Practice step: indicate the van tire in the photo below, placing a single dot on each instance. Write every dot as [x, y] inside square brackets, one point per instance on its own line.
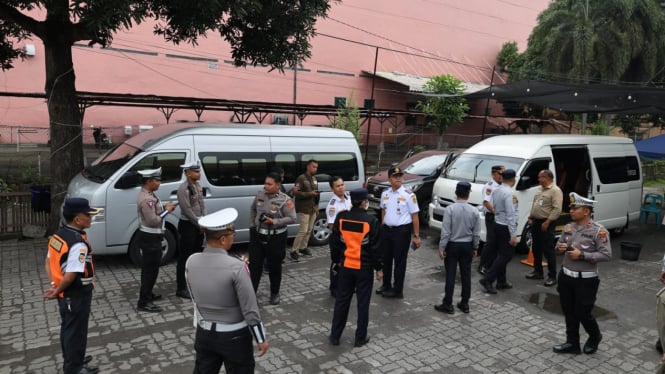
[617, 232]
[524, 244]
[168, 251]
[320, 231]
[423, 214]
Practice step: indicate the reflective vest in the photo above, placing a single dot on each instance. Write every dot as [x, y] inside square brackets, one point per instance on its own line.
[58, 248]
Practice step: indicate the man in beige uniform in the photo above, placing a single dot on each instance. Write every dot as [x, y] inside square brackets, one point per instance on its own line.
[192, 207]
[306, 196]
[150, 234]
[225, 307]
[545, 210]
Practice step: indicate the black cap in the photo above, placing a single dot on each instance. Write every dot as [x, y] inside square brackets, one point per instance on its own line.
[496, 168]
[76, 205]
[359, 194]
[462, 188]
[395, 170]
[508, 174]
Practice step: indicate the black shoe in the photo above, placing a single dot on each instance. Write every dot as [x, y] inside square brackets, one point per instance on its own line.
[381, 290]
[534, 275]
[360, 343]
[149, 307]
[86, 370]
[591, 345]
[393, 294]
[306, 252]
[487, 286]
[445, 308]
[274, 299]
[87, 359]
[659, 346]
[183, 293]
[567, 348]
[550, 282]
[463, 307]
[294, 256]
[333, 341]
[504, 286]
[482, 270]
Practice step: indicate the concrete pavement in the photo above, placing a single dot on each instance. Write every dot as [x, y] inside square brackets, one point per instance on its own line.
[512, 332]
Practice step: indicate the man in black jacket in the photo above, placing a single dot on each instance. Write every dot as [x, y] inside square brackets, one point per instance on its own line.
[354, 246]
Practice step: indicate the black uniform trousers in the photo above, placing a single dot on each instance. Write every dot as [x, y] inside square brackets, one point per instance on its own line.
[458, 253]
[334, 279]
[274, 250]
[488, 253]
[74, 313]
[577, 297]
[395, 243]
[543, 244]
[350, 281]
[191, 241]
[232, 349]
[151, 247]
[504, 253]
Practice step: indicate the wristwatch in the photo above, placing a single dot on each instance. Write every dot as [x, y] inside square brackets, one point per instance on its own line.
[416, 235]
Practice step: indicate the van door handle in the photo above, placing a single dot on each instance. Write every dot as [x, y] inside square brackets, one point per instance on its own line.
[174, 192]
[597, 188]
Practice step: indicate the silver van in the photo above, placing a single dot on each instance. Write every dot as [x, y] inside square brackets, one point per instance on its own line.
[235, 159]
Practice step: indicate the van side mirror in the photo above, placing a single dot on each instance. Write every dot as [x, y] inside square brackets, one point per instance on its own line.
[128, 180]
[323, 177]
[524, 183]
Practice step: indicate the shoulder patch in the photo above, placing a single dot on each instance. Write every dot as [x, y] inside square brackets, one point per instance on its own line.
[332, 201]
[331, 211]
[414, 199]
[408, 191]
[488, 191]
[289, 204]
[55, 243]
[515, 200]
[82, 253]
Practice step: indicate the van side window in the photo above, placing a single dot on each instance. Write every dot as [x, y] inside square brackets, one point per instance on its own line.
[529, 177]
[617, 169]
[343, 164]
[234, 169]
[169, 162]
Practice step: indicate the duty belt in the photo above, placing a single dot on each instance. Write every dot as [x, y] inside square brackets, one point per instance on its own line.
[579, 274]
[222, 327]
[263, 231]
[151, 230]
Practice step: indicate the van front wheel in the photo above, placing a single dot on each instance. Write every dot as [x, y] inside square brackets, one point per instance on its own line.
[168, 249]
[320, 232]
[525, 241]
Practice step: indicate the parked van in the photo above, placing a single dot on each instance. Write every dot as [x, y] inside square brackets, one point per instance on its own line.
[235, 159]
[604, 168]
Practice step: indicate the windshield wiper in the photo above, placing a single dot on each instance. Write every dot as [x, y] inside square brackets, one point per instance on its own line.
[475, 171]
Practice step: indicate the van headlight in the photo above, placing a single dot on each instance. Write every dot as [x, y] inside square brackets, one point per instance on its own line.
[99, 217]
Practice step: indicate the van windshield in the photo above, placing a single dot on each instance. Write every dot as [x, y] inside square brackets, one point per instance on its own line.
[424, 166]
[106, 165]
[478, 168]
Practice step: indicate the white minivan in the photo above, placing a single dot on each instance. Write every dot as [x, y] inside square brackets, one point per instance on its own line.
[235, 159]
[604, 168]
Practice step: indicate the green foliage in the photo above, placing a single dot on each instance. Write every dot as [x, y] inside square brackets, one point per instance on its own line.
[348, 118]
[628, 123]
[600, 128]
[444, 111]
[419, 148]
[508, 57]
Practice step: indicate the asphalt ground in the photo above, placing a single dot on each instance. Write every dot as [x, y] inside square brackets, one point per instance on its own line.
[512, 332]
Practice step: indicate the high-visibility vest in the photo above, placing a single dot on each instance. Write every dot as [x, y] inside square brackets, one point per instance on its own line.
[58, 248]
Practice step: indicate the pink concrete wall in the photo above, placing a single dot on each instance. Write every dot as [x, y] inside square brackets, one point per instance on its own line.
[467, 31]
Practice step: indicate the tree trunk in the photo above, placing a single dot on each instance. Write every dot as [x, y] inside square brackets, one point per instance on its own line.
[64, 120]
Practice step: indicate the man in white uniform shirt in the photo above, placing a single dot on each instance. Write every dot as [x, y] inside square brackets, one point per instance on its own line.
[338, 203]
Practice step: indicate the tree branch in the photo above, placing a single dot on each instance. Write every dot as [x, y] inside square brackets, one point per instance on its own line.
[11, 14]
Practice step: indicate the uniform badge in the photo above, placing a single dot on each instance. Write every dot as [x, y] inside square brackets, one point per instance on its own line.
[290, 204]
[150, 204]
[332, 201]
[515, 201]
[386, 197]
[414, 199]
[82, 256]
[55, 243]
[602, 234]
[488, 191]
[331, 211]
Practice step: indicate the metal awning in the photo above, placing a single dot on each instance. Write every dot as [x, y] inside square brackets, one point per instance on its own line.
[416, 83]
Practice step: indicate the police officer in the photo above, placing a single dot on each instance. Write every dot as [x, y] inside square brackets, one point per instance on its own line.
[488, 253]
[354, 245]
[71, 271]
[306, 194]
[460, 235]
[399, 213]
[225, 308]
[150, 234]
[270, 214]
[505, 233]
[585, 244]
[340, 202]
[545, 210]
[192, 207]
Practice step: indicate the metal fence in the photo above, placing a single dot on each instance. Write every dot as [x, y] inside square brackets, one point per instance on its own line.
[16, 211]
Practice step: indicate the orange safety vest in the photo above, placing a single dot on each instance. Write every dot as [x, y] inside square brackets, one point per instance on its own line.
[353, 233]
[58, 248]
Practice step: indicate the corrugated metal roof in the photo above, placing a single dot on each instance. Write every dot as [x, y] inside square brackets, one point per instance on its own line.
[416, 83]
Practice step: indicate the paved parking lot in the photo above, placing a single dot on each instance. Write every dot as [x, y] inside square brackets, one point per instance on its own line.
[512, 332]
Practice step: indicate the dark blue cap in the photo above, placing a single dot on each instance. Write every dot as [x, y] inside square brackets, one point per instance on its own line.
[76, 205]
[359, 194]
[508, 174]
[462, 188]
[395, 170]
